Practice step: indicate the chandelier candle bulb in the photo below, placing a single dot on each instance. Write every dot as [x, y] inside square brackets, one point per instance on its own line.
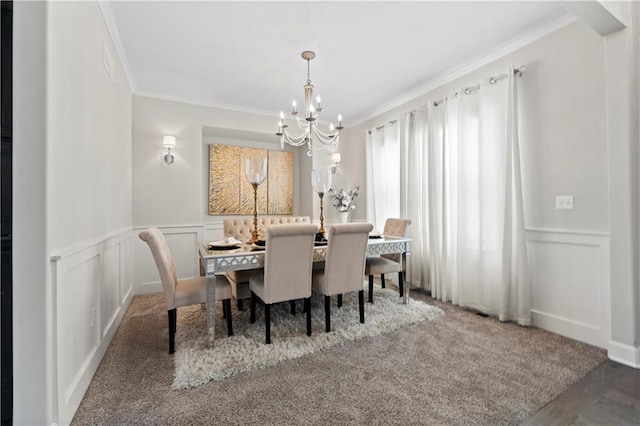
[294, 104]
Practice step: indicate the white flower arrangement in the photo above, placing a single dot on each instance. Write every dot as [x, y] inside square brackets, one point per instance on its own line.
[343, 200]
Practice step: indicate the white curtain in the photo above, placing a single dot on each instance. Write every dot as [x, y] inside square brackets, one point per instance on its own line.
[415, 190]
[383, 174]
[465, 194]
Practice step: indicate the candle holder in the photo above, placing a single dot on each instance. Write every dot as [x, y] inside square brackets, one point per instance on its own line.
[321, 181]
[255, 170]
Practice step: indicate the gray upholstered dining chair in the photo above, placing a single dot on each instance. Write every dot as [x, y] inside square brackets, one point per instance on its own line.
[182, 292]
[388, 263]
[344, 266]
[288, 262]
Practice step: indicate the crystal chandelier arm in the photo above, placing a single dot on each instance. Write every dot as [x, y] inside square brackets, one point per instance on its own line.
[293, 140]
[326, 138]
[303, 124]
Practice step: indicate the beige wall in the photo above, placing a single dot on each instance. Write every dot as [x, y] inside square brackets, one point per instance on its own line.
[89, 129]
[563, 136]
[176, 195]
[563, 130]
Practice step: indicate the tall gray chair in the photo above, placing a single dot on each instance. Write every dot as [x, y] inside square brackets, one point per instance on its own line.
[287, 271]
[388, 263]
[344, 266]
[182, 292]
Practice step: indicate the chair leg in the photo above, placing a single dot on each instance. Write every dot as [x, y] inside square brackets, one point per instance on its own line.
[227, 304]
[361, 305]
[370, 288]
[401, 283]
[224, 310]
[307, 308]
[293, 306]
[382, 279]
[172, 314]
[253, 308]
[327, 314]
[240, 305]
[339, 301]
[267, 323]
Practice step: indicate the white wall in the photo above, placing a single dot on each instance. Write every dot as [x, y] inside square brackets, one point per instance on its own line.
[175, 197]
[564, 152]
[74, 283]
[32, 375]
[622, 60]
[89, 129]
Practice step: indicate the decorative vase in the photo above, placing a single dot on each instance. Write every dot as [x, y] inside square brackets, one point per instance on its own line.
[344, 217]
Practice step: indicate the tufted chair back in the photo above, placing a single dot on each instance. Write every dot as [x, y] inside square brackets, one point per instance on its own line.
[240, 228]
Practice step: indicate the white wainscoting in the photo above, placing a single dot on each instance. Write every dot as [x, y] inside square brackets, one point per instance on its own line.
[92, 287]
[182, 241]
[570, 284]
[214, 231]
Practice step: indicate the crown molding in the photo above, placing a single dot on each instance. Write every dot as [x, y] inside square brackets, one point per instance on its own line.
[204, 103]
[450, 76]
[226, 107]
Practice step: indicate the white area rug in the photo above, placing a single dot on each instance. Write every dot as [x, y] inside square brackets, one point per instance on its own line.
[196, 363]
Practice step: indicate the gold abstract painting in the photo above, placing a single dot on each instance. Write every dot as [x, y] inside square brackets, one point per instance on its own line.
[231, 194]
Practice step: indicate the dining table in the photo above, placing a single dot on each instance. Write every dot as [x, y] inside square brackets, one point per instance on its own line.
[216, 260]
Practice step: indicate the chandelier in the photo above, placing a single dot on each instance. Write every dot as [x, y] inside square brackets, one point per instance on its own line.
[309, 133]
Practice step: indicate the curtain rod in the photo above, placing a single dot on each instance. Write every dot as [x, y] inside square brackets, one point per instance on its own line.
[391, 123]
[492, 80]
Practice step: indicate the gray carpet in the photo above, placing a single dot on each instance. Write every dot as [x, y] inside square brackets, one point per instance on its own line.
[458, 369]
[198, 363]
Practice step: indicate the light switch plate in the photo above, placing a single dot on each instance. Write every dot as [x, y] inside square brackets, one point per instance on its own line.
[564, 202]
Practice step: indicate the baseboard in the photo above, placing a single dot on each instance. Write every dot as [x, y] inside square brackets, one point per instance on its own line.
[147, 288]
[86, 375]
[624, 354]
[568, 328]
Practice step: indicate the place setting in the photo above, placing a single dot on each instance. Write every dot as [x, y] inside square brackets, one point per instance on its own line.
[230, 243]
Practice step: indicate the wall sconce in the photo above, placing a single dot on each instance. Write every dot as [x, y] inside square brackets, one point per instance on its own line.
[169, 142]
[335, 159]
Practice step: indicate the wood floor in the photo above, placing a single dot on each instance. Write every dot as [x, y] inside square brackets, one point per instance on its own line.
[609, 395]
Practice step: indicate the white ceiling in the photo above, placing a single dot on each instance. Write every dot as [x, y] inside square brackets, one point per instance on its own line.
[246, 55]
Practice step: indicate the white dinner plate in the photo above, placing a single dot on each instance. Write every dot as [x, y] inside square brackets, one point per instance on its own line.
[225, 244]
